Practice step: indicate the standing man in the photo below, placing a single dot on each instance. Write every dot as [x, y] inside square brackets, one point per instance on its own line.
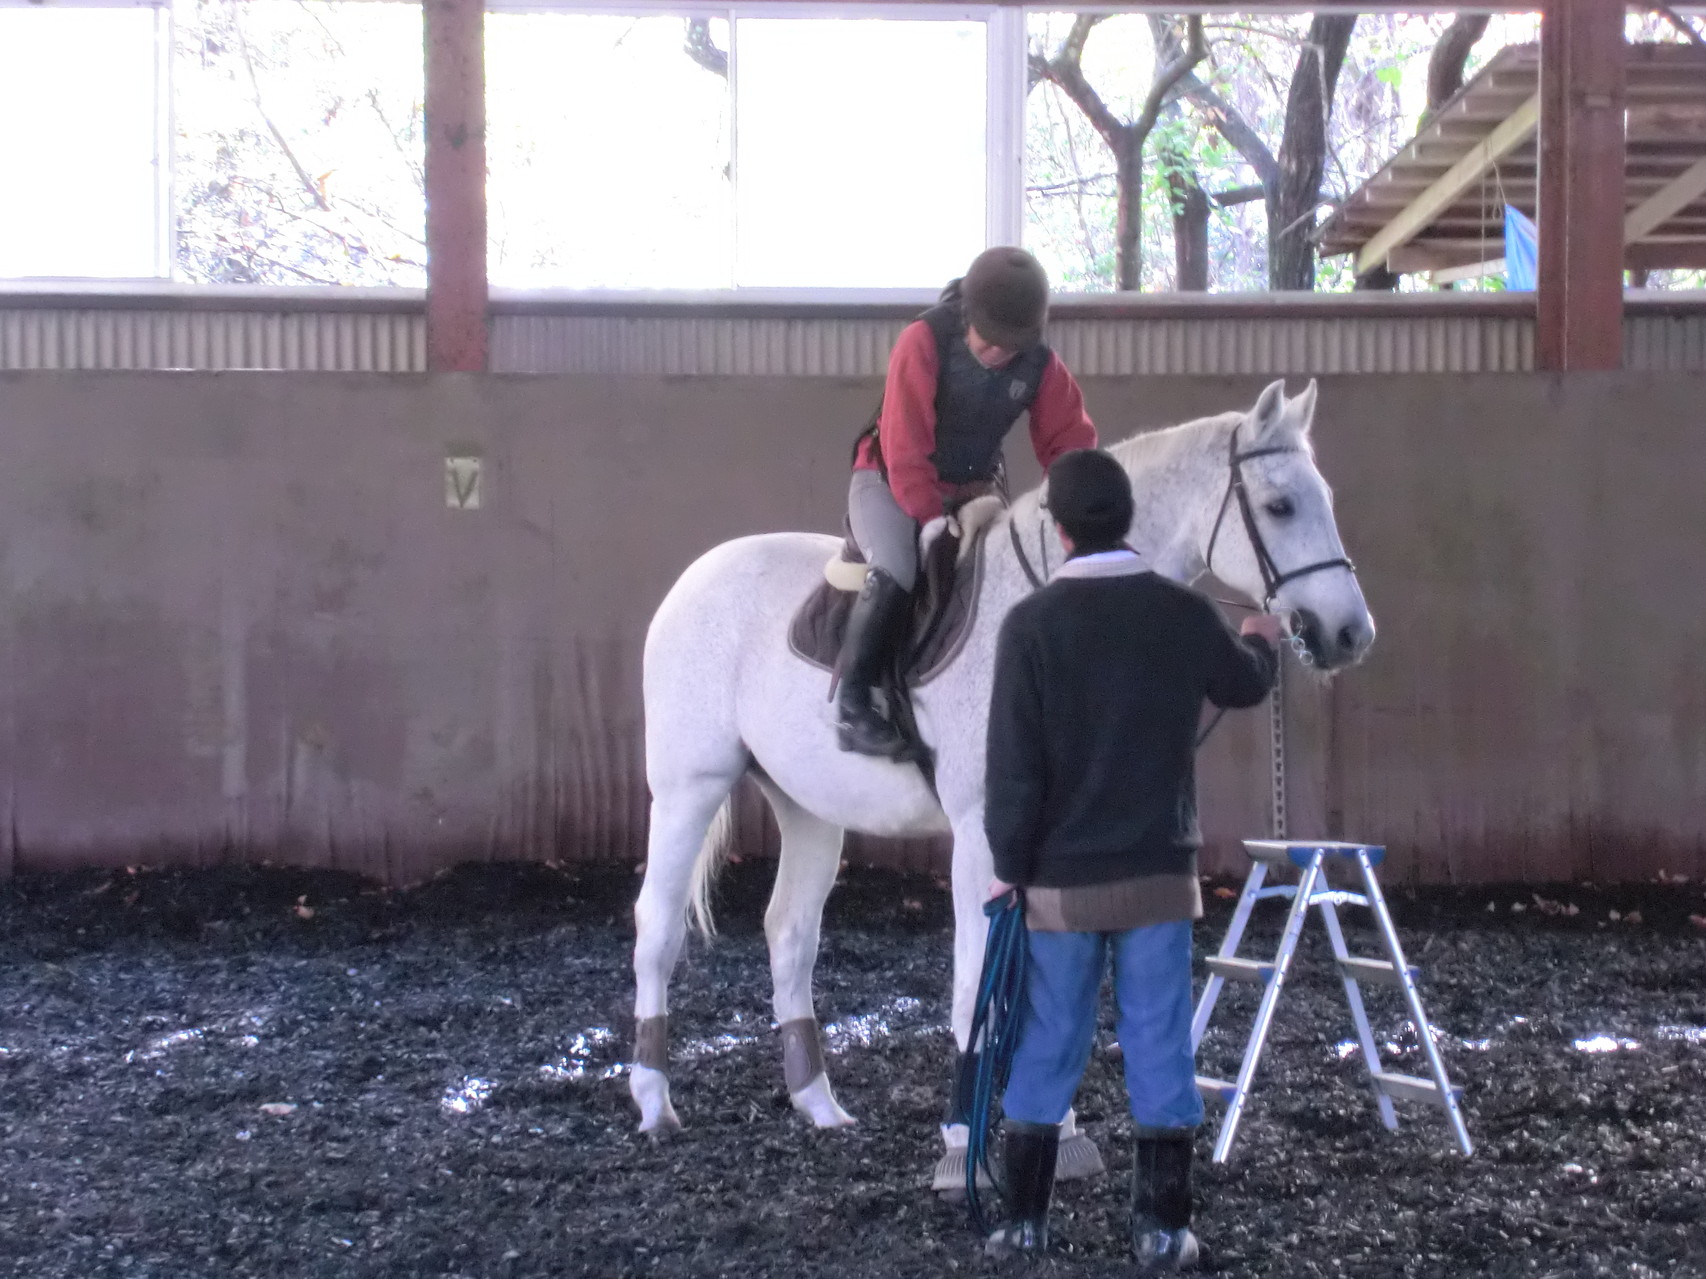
[1100, 679]
[958, 379]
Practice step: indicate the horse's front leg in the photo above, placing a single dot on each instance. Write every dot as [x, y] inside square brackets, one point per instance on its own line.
[973, 872]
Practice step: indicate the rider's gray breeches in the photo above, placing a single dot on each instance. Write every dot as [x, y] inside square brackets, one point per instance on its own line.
[886, 534]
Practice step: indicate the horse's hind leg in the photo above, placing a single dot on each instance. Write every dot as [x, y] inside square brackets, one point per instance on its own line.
[811, 855]
[682, 812]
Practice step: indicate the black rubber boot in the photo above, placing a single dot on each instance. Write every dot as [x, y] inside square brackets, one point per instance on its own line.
[1029, 1174]
[871, 630]
[1161, 1202]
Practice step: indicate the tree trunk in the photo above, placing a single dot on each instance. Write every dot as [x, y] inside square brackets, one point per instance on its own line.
[1128, 224]
[1190, 214]
[1446, 63]
[1302, 156]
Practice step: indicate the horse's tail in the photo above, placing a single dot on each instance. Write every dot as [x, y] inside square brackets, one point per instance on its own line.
[713, 855]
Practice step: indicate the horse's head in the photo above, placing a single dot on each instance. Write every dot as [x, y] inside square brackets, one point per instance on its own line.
[1277, 502]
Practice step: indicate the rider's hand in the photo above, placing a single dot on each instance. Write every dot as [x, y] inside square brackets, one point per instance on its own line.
[998, 888]
[1264, 624]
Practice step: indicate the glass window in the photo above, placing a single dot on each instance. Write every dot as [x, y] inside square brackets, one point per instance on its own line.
[81, 89]
[860, 152]
[608, 148]
[299, 142]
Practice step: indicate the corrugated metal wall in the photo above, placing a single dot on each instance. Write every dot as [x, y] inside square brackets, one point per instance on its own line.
[340, 341]
[1238, 340]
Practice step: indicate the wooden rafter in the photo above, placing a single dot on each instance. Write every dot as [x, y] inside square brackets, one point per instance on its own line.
[1665, 203]
[1445, 190]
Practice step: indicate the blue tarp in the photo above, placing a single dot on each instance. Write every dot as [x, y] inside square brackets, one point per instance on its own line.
[1521, 241]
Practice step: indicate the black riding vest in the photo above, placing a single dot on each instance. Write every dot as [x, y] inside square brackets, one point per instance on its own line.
[975, 406]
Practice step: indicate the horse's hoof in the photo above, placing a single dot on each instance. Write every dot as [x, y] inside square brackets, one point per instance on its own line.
[650, 1090]
[1078, 1158]
[949, 1179]
[816, 1101]
[663, 1126]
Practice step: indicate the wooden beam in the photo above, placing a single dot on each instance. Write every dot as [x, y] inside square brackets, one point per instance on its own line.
[456, 335]
[1579, 323]
[1510, 134]
[1665, 203]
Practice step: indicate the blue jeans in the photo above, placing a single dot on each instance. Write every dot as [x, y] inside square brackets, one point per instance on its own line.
[1152, 988]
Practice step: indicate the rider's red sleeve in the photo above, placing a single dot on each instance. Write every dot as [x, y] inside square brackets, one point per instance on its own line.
[908, 425]
[1059, 423]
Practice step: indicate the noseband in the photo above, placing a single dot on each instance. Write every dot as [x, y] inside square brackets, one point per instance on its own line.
[1272, 579]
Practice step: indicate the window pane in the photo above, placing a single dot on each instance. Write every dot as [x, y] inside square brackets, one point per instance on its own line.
[79, 89]
[860, 151]
[299, 142]
[608, 151]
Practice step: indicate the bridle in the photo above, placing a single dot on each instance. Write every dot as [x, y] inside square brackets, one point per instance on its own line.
[1272, 579]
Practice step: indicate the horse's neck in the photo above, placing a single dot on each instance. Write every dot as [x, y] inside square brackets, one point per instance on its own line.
[1178, 477]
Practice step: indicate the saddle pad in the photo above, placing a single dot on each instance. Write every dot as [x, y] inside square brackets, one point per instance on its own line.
[943, 608]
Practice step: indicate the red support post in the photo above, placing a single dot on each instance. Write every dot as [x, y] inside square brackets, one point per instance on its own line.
[1582, 100]
[456, 185]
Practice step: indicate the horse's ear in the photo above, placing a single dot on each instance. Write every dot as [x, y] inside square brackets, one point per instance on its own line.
[1270, 408]
[1304, 406]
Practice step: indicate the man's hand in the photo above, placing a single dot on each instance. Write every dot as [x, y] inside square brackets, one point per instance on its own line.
[1264, 624]
[998, 888]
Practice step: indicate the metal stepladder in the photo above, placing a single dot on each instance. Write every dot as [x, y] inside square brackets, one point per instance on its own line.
[1314, 890]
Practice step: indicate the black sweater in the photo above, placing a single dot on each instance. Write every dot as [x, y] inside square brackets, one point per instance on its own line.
[1099, 686]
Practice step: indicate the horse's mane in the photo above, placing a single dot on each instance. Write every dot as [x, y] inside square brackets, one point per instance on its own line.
[1156, 446]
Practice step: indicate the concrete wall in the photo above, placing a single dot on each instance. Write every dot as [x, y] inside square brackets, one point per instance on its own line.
[240, 618]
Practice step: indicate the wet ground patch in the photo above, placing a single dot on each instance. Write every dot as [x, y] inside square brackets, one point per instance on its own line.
[276, 1072]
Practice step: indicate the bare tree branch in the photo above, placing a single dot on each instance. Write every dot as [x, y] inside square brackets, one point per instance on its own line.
[1066, 69]
[1240, 195]
[1450, 55]
[308, 183]
[1681, 23]
[1231, 125]
[1167, 77]
[702, 49]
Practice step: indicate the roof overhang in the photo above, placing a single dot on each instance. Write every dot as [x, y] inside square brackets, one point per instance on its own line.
[1438, 205]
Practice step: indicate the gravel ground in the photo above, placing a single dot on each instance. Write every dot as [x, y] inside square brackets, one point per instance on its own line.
[269, 1072]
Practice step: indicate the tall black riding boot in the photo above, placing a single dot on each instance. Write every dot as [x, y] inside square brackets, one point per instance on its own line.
[1029, 1170]
[871, 631]
[1161, 1201]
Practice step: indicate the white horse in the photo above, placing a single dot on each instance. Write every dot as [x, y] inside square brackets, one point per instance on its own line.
[726, 698]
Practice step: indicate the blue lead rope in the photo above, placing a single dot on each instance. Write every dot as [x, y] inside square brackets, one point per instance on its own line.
[995, 1025]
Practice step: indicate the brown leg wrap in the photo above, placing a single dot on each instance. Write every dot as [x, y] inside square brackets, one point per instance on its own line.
[651, 1042]
[802, 1052]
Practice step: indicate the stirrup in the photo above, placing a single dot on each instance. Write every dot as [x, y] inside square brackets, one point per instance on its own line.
[886, 742]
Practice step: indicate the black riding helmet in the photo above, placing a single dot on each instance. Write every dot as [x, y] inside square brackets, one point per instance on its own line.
[1005, 295]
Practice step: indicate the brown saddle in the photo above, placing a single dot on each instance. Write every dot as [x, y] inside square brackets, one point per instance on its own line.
[944, 604]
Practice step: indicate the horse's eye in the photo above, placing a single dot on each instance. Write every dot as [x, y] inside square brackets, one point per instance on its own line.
[1281, 508]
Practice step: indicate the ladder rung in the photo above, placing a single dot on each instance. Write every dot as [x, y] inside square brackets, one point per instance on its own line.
[1239, 969]
[1301, 852]
[1409, 1088]
[1374, 970]
[1215, 1089]
[1288, 891]
[1338, 897]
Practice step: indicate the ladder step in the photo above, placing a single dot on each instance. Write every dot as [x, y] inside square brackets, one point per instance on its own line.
[1408, 1088]
[1239, 969]
[1215, 1089]
[1374, 970]
[1337, 897]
